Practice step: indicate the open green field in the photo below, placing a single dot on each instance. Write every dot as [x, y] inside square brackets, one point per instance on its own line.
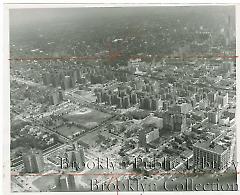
[89, 96]
[90, 138]
[87, 118]
[68, 131]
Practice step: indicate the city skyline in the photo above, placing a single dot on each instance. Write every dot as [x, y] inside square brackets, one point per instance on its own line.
[103, 97]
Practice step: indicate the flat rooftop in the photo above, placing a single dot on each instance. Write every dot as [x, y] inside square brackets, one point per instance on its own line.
[219, 145]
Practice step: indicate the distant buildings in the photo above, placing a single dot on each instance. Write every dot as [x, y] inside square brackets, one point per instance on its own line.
[179, 123]
[150, 131]
[142, 138]
[146, 103]
[147, 135]
[126, 96]
[227, 67]
[174, 121]
[182, 108]
[152, 135]
[67, 82]
[126, 102]
[56, 97]
[212, 96]
[213, 116]
[230, 32]
[46, 79]
[168, 121]
[222, 99]
[149, 103]
[153, 121]
[133, 98]
[216, 99]
[121, 98]
[198, 115]
[52, 78]
[136, 65]
[33, 161]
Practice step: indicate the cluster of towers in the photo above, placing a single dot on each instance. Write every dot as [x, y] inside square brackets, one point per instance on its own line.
[126, 96]
[123, 98]
[149, 102]
[65, 80]
[174, 119]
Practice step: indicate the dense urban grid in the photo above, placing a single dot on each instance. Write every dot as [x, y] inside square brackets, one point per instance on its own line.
[123, 96]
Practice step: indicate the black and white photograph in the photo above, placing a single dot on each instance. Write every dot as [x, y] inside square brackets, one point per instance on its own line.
[123, 99]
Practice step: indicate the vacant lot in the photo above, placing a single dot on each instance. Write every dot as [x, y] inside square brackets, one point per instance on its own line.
[87, 118]
[87, 95]
[68, 131]
[45, 182]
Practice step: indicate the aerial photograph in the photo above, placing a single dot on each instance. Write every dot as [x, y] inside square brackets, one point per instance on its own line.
[112, 99]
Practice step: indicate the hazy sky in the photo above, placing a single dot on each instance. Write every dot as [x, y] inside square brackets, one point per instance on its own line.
[30, 16]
